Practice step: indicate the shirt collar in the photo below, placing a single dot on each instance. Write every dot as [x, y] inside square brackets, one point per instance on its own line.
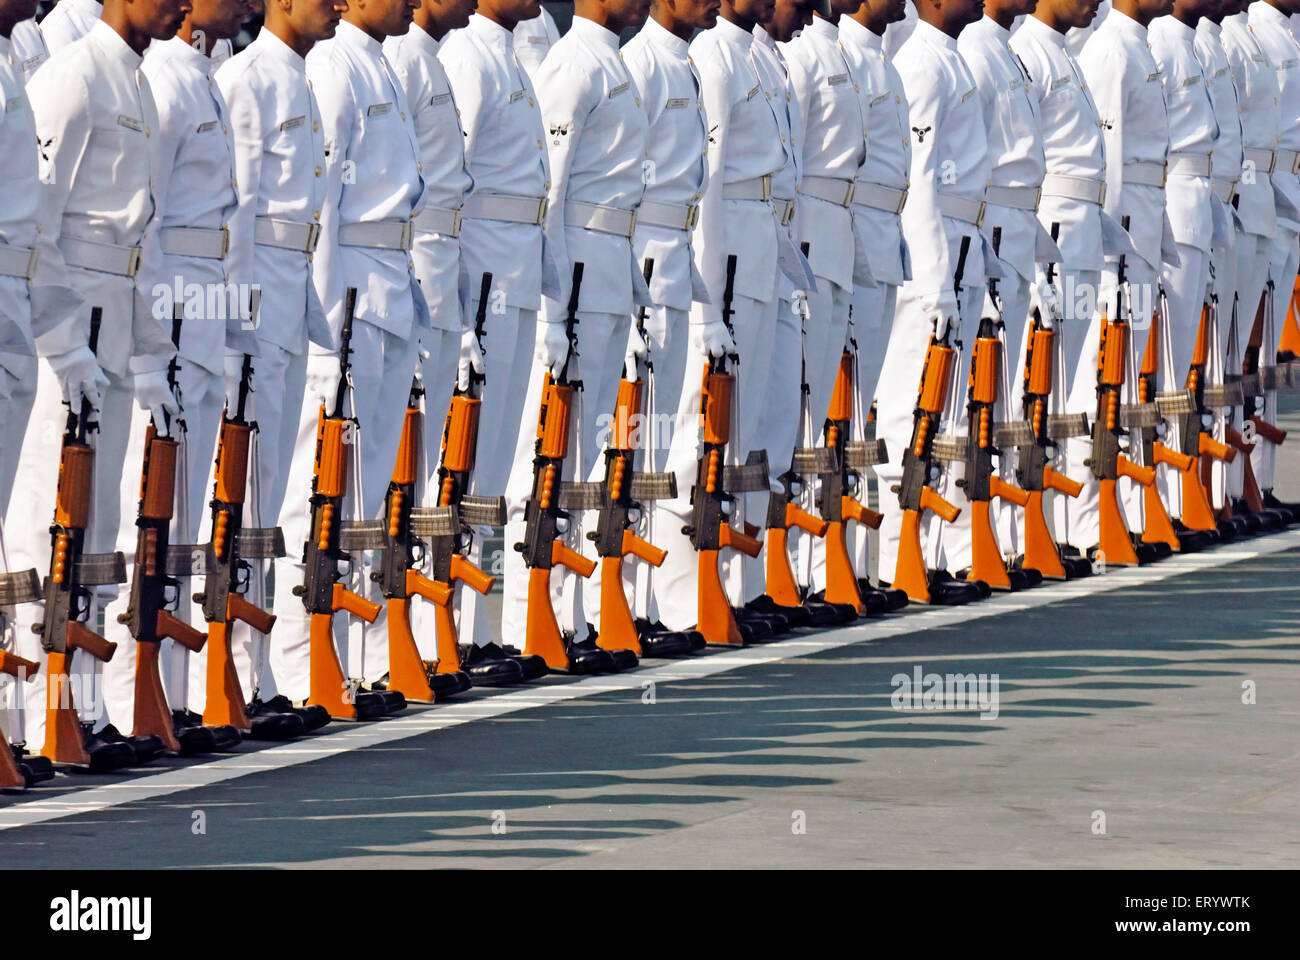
[1210, 27]
[6, 47]
[1176, 28]
[178, 49]
[421, 38]
[1045, 32]
[860, 34]
[763, 37]
[821, 27]
[271, 45]
[353, 36]
[730, 33]
[594, 33]
[661, 36]
[1270, 12]
[1126, 24]
[991, 26]
[929, 31]
[112, 43]
[492, 31]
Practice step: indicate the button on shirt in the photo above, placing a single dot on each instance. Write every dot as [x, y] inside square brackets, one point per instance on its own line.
[506, 152]
[949, 152]
[1272, 29]
[1125, 83]
[1192, 128]
[374, 173]
[597, 137]
[1072, 138]
[661, 69]
[1256, 85]
[97, 128]
[279, 146]
[195, 188]
[414, 58]
[29, 50]
[744, 144]
[1014, 143]
[881, 249]
[833, 134]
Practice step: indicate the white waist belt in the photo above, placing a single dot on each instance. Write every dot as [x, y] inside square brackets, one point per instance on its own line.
[1148, 173]
[675, 216]
[879, 197]
[510, 209]
[18, 261]
[100, 257]
[1287, 160]
[1262, 159]
[203, 242]
[440, 220]
[286, 234]
[378, 235]
[785, 210]
[600, 217]
[1225, 190]
[959, 208]
[1018, 198]
[755, 188]
[1189, 164]
[1074, 188]
[831, 189]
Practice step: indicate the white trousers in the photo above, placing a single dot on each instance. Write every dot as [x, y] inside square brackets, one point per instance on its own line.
[382, 368]
[1185, 289]
[1253, 253]
[1284, 258]
[14, 414]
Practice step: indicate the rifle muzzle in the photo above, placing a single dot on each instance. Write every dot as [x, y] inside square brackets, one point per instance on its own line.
[168, 626]
[18, 667]
[358, 606]
[643, 549]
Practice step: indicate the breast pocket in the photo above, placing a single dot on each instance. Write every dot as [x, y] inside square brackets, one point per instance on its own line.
[1016, 114]
[116, 150]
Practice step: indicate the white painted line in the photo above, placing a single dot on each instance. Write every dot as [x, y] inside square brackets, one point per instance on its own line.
[346, 738]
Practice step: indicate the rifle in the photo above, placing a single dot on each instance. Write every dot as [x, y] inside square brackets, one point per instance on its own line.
[450, 563]
[321, 591]
[716, 482]
[915, 494]
[154, 592]
[1204, 398]
[21, 586]
[1107, 463]
[1260, 381]
[227, 568]
[546, 519]
[66, 589]
[1034, 472]
[1288, 344]
[623, 489]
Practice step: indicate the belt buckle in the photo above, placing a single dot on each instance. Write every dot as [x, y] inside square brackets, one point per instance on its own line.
[850, 192]
[33, 258]
[1038, 197]
[1164, 175]
[692, 216]
[1272, 160]
[132, 261]
[543, 206]
[765, 182]
[1295, 162]
[455, 222]
[405, 240]
[902, 200]
[979, 217]
[631, 222]
[313, 235]
[225, 241]
[1101, 194]
[788, 213]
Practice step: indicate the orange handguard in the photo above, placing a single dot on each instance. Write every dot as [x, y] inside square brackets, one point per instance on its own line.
[934, 378]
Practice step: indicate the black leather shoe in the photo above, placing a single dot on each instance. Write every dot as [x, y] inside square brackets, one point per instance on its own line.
[1151, 552]
[313, 716]
[34, 768]
[268, 723]
[694, 640]
[795, 616]
[1076, 567]
[586, 658]
[106, 755]
[777, 623]
[145, 749]
[1250, 522]
[948, 592]
[447, 685]
[532, 665]
[894, 599]
[195, 741]
[754, 631]
[1194, 541]
[1292, 510]
[490, 666]
[1230, 529]
[1022, 579]
[657, 641]
[1269, 519]
[844, 612]
[224, 738]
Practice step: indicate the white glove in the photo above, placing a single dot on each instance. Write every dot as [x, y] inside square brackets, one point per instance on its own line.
[552, 344]
[1048, 301]
[471, 359]
[945, 313]
[234, 373]
[713, 338]
[153, 393]
[79, 377]
[638, 348]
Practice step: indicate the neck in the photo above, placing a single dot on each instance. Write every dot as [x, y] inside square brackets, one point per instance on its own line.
[833, 18]
[284, 30]
[354, 17]
[936, 18]
[426, 21]
[873, 20]
[745, 23]
[6, 28]
[1130, 9]
[1186, 18]
[596, 13]
[500, 19]
[1003, 17]
[115, 16]
[662, 14]
[1051, 18]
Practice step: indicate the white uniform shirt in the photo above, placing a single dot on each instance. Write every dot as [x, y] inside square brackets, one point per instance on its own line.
[896, 33]
[414, 57]
[506, 152]
[1272, 30]
[196, 188]
[1192, 128]
[29, 50]
[881, 249]
[661, 68]
[98, 130]
[833, 135]
[949, 150]
[1015, 145]
[69, 20]
[1227, 156]
[1126, 85]
[597, 139]
[533, 41]
[279, 165]
[770, 61]
[1257, 95]
[19, 212]
[744, 145]
[374, 175]
[1072, 139]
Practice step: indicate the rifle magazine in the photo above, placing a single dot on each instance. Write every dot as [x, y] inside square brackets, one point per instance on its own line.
[1223, 395]
[580, 495]
[814, 460]
[861, 454]
[363, 535]
[21, 586]
[1013, 433]
[948, 446]
[1139, 415]
[260, 543]
[482, 511]
[654, 486]
[1062, 425]
[188, 559]
[1174, 403]
[434, 521]
[748, 478]
[94, 569]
